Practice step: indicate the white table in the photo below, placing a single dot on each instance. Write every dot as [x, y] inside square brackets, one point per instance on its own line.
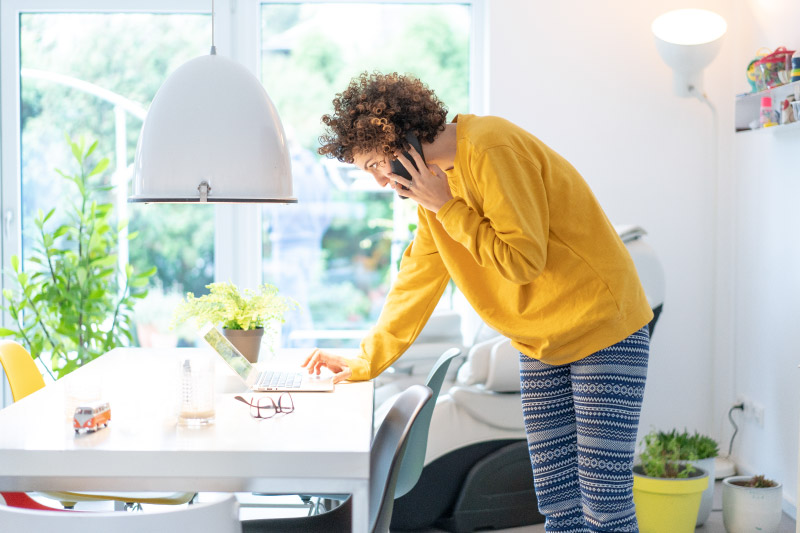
[323, 447]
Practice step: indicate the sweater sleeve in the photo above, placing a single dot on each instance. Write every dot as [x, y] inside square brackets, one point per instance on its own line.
[511, 234]
[420, 283]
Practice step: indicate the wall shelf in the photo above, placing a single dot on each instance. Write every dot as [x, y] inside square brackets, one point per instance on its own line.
[748, 107]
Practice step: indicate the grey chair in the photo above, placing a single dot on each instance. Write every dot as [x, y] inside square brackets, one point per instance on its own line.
[414, 458]
[388, 448]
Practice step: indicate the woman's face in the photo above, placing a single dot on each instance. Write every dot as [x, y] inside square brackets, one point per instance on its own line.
[376, 164]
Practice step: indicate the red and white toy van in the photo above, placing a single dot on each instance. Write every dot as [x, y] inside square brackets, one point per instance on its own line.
[91, 416]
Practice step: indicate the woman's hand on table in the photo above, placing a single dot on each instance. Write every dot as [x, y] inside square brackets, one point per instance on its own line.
[335, 363]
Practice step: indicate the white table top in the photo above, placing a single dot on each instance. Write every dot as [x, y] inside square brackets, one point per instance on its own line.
[322, 447]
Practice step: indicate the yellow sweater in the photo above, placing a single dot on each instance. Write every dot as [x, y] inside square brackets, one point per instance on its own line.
[528, 245]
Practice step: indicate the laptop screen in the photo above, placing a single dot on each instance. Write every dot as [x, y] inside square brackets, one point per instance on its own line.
[228, 351]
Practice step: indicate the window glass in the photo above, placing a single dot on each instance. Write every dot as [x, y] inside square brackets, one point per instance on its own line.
[93, 75]
[335, 250]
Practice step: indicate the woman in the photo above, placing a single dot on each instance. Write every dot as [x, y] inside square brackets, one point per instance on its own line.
[523, 237]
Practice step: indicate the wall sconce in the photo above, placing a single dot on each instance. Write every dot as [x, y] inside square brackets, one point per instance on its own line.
[688, 40]
[212, 134]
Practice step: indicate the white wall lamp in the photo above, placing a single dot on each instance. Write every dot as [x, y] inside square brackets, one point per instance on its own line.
[688, 40]
[212, 134]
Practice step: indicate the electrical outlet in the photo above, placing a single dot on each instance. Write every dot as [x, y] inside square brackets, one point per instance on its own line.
[758, 414]
[752, 410]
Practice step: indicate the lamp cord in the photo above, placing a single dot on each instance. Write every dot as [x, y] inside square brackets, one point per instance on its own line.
[717, 290]
[213, 47]
[739, 406]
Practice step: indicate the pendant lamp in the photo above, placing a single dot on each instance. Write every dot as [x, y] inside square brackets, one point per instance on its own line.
[212, 134]
[688, 40]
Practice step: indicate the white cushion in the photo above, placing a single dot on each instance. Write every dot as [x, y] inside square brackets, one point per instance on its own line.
[499, 410]
[503, 373]
[476, 368]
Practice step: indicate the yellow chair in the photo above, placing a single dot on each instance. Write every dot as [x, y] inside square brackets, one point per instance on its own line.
[24, 378]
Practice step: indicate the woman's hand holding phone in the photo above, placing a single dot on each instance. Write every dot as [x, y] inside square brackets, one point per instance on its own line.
[428, 185]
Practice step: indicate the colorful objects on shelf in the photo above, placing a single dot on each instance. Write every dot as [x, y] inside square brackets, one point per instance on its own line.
[751, 68]
[796, 68]
[774, 69]
[767, 115]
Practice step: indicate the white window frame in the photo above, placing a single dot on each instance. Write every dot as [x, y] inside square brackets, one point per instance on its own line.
[237, 236]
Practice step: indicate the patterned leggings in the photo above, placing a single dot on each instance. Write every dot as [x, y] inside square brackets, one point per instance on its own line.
[581, 420]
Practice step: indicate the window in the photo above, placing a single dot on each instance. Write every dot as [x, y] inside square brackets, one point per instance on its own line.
[335, 250]
[94, 75]
[91, 68]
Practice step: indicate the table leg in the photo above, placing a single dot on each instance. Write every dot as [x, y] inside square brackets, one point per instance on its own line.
[361, 507]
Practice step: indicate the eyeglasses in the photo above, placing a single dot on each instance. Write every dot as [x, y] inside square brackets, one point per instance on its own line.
[265, 406]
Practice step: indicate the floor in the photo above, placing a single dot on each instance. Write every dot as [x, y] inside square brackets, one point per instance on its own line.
[713, 525]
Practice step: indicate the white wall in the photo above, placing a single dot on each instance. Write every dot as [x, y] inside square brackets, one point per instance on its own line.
[585, 77]
[767, 245]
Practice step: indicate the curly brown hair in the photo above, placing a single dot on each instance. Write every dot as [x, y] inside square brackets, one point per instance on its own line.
[375, 113]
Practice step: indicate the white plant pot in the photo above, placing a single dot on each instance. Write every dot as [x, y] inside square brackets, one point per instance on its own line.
[747, 510]
[708, 494]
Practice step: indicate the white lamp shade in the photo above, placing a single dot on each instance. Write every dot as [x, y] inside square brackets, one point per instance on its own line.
[688, 40]
[212, 121]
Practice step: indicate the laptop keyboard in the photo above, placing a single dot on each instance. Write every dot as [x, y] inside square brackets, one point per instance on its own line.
[288, 380]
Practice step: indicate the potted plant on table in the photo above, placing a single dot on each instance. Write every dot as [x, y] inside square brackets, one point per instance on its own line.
[247, 317]
[666, 490]
[751, 503]
[698, 450]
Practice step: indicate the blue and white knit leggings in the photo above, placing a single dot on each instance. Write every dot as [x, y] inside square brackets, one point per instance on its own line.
[581, 420]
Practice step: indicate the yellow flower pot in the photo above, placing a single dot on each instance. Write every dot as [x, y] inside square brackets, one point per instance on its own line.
[668, 505]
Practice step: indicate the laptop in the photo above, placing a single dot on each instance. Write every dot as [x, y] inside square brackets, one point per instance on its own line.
[263, 379]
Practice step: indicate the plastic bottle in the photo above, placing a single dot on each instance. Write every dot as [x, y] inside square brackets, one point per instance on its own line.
[767, 115]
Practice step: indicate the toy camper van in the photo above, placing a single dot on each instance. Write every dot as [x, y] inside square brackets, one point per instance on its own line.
[91, 416]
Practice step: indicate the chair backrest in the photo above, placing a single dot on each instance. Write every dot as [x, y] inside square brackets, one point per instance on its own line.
[21, 371]
[220, 516]
[414, 458]
[388, 448]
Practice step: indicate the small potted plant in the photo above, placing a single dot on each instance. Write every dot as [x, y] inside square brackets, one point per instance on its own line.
[751, 503]
[666, 490]
[247, 317]
[700, 451]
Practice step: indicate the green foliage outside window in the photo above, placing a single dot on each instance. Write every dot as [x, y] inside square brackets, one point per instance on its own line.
[130, 55]
[310, 53]
[72, 301]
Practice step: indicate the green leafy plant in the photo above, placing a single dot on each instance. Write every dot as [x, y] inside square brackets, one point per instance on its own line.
[233, 308]
[72, 300]
[663, 457]
[691, 447]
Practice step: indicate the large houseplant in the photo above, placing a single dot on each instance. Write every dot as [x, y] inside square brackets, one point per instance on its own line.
[72, 300]
[751, 503]
[666, 490]
[246, 316]
[698, 450]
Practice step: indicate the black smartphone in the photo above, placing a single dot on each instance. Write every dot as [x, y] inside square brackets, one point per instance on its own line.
[398, 168]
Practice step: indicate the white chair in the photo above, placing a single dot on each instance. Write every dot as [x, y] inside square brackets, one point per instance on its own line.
[220, 516]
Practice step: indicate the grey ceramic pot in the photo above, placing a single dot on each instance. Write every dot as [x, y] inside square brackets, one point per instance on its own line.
[247, 341]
